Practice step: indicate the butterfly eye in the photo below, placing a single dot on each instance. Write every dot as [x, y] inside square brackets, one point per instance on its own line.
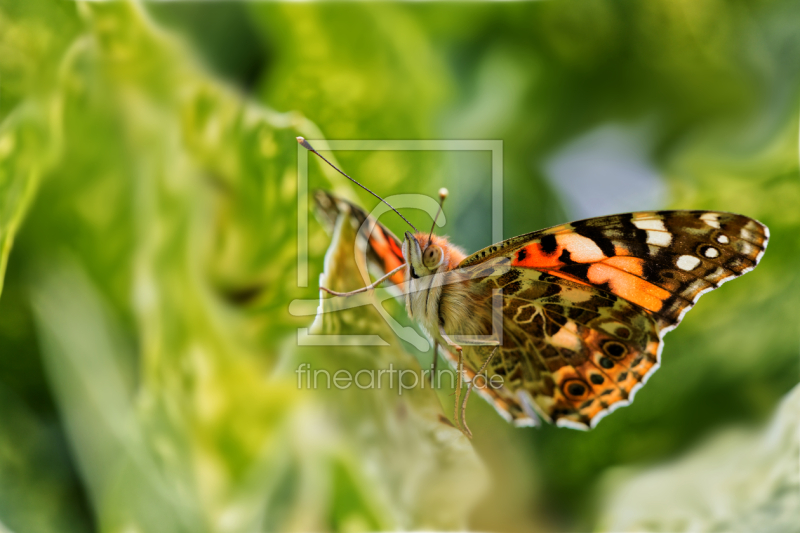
[432, 257]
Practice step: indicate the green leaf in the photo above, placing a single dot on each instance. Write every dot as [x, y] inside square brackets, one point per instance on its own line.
[24, 153]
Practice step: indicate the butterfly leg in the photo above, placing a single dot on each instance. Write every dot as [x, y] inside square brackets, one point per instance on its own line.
[459, 381]
[459, 373]
[368, 287]
[467, 432]
[448, 340]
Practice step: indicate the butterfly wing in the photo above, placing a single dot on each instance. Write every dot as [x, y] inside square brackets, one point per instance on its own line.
[586, 305]
[384, 250]
[661, 261]
[569, 354]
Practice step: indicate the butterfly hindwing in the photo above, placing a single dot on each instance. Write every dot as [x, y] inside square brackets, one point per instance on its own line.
[384, 250]
[569, 353]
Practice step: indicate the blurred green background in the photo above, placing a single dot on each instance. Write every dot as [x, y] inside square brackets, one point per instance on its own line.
[148, 187]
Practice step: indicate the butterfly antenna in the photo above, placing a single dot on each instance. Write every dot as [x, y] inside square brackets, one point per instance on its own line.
[442, 195]
[305, 144]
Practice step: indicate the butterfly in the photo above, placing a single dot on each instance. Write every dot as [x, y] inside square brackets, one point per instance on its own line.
[584, 306]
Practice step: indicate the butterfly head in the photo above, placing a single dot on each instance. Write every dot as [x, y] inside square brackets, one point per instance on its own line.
[427, 254]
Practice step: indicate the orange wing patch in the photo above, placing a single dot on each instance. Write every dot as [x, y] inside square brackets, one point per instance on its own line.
[628, 285]
[620, 274]
[390, 253]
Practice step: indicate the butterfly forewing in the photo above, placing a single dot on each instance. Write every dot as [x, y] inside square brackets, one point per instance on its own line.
[661, 261]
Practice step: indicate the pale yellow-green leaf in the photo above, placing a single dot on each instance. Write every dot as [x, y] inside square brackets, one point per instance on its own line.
[739, 481]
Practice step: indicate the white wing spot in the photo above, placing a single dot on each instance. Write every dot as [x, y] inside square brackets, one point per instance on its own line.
[711, 219]
[711, 252]
[687, 262]
[659, 238]
[723, 239]
[653, 224]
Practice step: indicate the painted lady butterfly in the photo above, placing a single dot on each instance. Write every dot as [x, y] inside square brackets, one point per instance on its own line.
[585, 305]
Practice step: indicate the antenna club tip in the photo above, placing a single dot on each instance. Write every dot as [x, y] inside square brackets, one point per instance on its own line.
[303, 143]
[443, 193]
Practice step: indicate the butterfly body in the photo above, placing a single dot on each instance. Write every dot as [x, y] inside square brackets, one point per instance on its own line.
[584, 306]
